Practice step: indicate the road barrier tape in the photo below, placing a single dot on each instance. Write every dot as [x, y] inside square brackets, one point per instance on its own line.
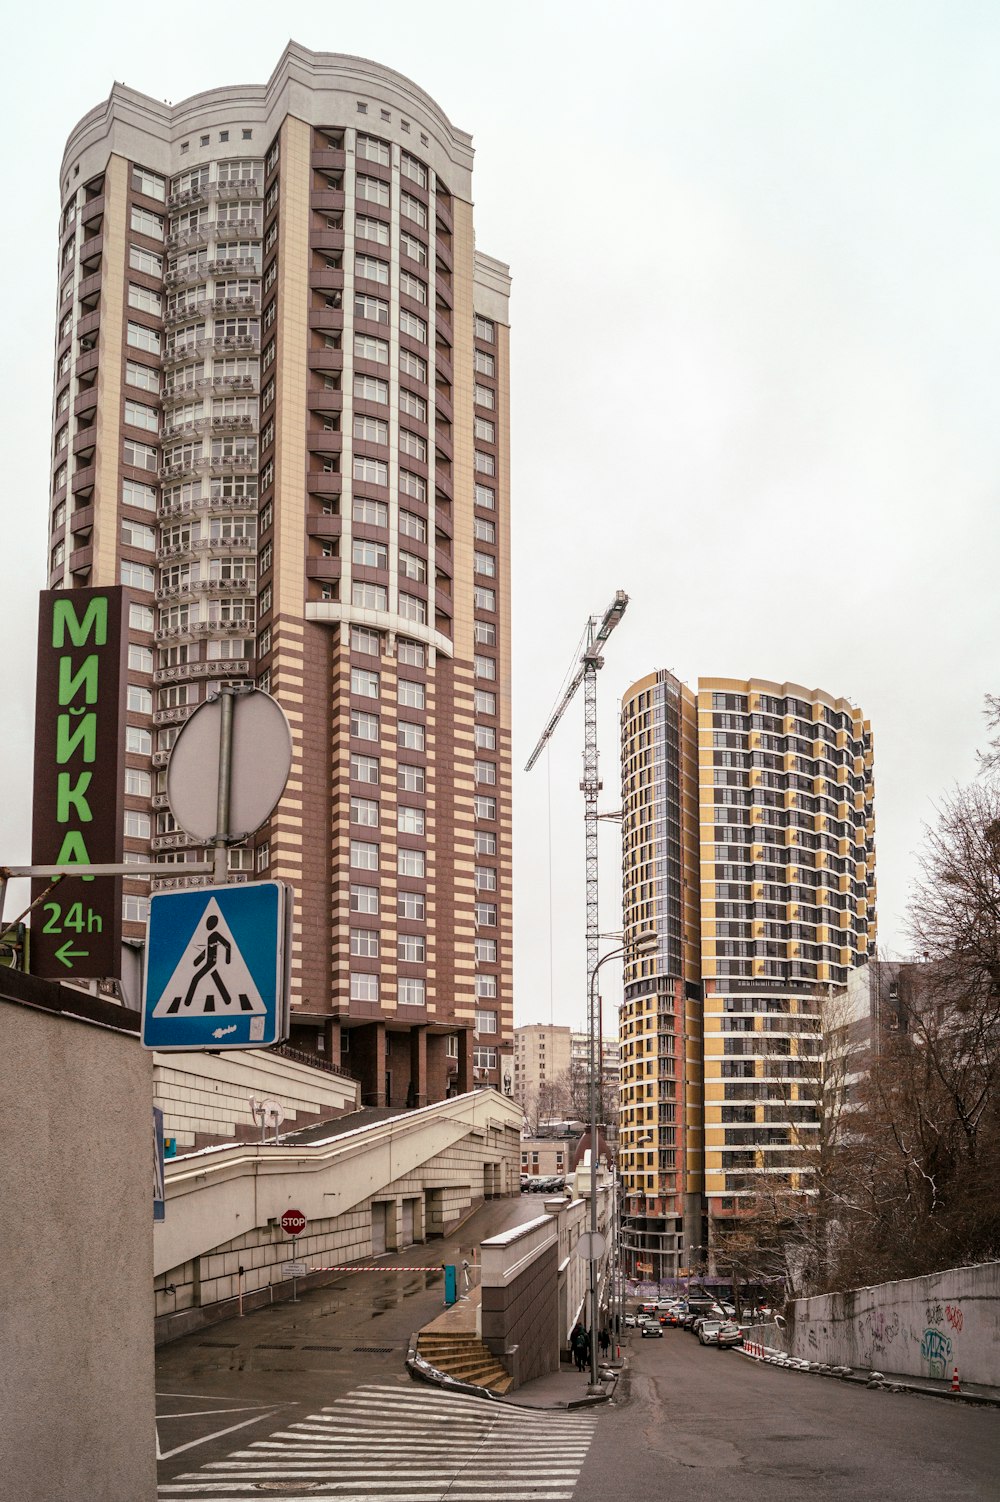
[431, 1268]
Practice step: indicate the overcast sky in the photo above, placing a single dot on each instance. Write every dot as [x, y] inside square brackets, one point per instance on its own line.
[755, 350]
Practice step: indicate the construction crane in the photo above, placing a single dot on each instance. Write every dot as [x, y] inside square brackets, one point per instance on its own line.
[588, 656]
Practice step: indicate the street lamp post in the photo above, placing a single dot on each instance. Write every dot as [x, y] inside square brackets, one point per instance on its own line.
[643, 943]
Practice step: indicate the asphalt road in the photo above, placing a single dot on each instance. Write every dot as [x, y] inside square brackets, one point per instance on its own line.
[711, 1426]
[232, 1384]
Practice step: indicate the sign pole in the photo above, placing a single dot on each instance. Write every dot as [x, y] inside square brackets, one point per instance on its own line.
[221, 841]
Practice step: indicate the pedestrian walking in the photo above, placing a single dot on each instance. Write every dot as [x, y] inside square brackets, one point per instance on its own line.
[605, 1341]
[579, 1345]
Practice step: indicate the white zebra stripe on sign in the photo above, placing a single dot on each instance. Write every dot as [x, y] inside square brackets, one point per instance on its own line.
[396, 1444]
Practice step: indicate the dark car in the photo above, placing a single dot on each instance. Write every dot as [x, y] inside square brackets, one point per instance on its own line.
[651, 1327]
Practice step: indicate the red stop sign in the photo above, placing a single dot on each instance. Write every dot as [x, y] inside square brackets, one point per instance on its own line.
[293, 1222]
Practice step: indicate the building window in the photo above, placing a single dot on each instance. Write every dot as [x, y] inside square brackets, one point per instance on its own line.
[486, 842]
[369, 596]
[364, 899]
[364, 640]
[412, 365]
[485, 771]
[370, 471]
[364, 726]
[486, 986]
[364, 987]
[371, 269]
[374, 513]
[367, 554]
[410, 779]
[409, 820]
[485, 701]
[135, 575]
[140, 659]
[365, 683]
[135, 909]
[364, 811]
[144, 222]
[411, 905]
[142, 455]
[138, 742]
[412, 608]
[138, 784]
[411, 863]
[371, 429]
[263, 856]
[486, 1022]
[486, 497]
[364, 942]
[364, 856]
[364, 768]
[371, 229]
[410, 653]
[486, 879]
[485, 330]
[137, 825]
[411, 566]
[410, 737]
[485, 667]
[486, 951]
[136, 535]
[411, 948]
[484, 1058]
[412, 990]
[367, 347]
[411, 694]
[486, 914]
[148, 379]
[485, 363]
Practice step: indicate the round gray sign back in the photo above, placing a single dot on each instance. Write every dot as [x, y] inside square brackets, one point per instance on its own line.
[261, 762]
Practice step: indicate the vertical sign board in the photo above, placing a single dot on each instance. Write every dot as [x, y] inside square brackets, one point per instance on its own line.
[79, 794]
[159, 1187]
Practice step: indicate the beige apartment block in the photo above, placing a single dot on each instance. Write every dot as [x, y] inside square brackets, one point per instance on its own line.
[281, 420]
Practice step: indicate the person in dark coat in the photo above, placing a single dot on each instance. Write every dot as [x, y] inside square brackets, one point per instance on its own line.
[579, 1344]
[605, 1341]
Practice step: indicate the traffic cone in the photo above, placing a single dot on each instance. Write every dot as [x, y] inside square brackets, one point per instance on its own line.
[954, 1380]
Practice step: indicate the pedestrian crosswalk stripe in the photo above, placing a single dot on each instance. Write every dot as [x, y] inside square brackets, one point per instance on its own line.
[389, 1444]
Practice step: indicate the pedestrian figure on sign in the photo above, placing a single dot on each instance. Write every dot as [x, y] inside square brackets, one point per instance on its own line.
[208, 964]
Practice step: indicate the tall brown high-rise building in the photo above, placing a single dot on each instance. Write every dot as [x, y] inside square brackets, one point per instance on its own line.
[281, 418]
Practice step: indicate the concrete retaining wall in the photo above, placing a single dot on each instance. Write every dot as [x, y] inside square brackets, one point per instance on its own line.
[920, 1327]
[77, 1406]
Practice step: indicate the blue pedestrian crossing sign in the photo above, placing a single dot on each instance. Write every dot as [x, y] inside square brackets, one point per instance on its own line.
[215, 968]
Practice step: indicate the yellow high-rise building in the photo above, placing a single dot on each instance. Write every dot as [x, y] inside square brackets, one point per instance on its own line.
[762, 911]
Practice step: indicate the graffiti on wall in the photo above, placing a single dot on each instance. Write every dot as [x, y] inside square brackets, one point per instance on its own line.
[935, 1349]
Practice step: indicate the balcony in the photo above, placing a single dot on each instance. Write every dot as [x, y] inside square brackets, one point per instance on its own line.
[185, 671]
[190, 239]
[323, 568]
[222, 505]
[244, 187]
[327, 159]
[323, 526]
[185, 312]
[176, 840]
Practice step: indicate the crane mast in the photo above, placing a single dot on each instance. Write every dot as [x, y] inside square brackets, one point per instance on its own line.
[590, 661]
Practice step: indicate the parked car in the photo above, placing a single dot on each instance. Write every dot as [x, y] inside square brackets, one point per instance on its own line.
[728, 1334]
[630, 1321]
[708, 1331]
[652, 1328]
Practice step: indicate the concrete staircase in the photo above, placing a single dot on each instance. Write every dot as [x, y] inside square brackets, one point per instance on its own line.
[464, 1357]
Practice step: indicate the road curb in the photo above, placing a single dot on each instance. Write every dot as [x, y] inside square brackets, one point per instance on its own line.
[885, 1384]
[421, 1370]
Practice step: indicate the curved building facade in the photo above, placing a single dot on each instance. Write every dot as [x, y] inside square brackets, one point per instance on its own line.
[281, 419]
[749, 846]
